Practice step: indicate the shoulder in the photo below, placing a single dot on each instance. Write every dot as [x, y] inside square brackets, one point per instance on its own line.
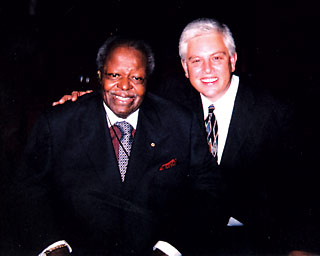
[167, 114]
[165, 106]
[253, 89]
[178, 89]
[262, 97]
[70, 113]
[84, 104]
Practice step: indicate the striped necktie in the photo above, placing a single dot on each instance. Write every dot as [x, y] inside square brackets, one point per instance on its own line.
[212, 131]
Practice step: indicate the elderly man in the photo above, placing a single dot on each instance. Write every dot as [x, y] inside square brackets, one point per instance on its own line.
[116, 172]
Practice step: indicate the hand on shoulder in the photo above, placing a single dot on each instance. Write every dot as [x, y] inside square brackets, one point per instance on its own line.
[73, 97]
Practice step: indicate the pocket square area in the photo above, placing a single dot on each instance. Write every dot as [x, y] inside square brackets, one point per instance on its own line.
[170, 164]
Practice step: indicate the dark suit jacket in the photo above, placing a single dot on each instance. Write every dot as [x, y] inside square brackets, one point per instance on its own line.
[258, 164]
[72, 188]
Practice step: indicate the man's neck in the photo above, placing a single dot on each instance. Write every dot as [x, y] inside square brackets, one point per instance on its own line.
[112, 118]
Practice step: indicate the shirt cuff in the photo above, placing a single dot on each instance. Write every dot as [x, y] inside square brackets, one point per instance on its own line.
[55, 246]
[166, 248]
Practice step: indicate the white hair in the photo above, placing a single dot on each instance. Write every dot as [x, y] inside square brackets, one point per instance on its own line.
[205, 26]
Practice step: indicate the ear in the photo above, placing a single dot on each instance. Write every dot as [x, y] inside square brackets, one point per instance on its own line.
[185, 68]
[233, 61]
[99, 74]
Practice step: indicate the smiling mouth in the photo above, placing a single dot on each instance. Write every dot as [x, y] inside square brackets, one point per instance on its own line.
[124, 99]
[209, 80]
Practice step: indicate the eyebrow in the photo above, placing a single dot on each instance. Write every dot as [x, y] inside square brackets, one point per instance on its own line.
[220, 52]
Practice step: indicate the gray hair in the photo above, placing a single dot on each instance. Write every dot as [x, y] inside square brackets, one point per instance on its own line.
[204, 26]
[115, 41]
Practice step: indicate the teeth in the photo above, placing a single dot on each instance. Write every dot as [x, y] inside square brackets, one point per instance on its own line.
[122, 98]
[209, 80]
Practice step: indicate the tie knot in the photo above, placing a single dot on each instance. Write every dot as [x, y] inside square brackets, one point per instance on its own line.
[211, 109]
[124, 127]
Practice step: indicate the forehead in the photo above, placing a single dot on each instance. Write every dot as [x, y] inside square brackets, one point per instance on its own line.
[126, 56]
[208, 43]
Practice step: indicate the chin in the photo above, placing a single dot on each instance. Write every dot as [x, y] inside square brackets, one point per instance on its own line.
[122, 115]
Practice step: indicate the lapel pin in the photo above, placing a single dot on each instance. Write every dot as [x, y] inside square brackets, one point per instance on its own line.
[152, 144]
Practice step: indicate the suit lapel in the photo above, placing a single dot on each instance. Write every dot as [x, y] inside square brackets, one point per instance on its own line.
[240, 124]
[147, 138]
[250, 113]
[96, 141]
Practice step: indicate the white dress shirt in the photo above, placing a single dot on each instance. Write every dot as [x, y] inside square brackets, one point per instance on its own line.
[112, 118]
[223, 112]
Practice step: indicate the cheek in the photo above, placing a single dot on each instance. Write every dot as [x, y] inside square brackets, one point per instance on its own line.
[221, 68]
[223, 72]
[107, 98]
[140, 90]
[195, 69]
[193, 74]
[107, 86]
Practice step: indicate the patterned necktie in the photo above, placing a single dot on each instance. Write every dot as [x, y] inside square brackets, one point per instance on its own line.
[124, 146]
[212, 131]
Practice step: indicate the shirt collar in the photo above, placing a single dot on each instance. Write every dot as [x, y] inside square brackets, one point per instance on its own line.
[226, 100]
[112, 118]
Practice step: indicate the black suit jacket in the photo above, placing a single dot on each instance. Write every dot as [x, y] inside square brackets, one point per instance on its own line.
[259, 164]
[72, 188]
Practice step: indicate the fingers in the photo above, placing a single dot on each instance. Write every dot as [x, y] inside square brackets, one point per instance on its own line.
[76, 94]
[73, 97]
[83, 93]
[63, 100]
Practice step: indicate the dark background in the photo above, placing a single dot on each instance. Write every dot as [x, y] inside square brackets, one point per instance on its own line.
[47, 45]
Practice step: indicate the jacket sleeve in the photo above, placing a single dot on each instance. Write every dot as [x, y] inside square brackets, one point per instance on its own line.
[35, 219]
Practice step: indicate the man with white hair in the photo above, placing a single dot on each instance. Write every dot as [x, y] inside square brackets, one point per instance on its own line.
[251, 136]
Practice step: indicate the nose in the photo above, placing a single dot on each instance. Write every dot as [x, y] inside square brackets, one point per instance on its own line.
[125, 84]
[207, 66]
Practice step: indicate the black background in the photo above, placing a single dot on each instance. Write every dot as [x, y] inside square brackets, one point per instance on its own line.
[47, 45]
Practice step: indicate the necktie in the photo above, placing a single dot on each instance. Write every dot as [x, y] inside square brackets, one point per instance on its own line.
[124, 146]
[212, 131]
